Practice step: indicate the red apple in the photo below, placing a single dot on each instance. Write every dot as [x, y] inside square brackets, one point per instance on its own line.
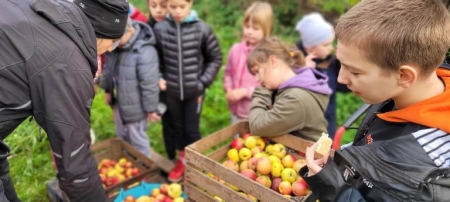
[130, 199]
[276, 184]
[245, 136]
[285, 188]
[249, 173]
[237, 143]
[252, 162]
[231, 165]
[299, 188]
[128, 165]
[134, 171]
[168, 199]
[160, 197]
[264, 166]
[163, 188]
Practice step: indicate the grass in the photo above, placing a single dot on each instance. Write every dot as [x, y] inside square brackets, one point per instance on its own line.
[31, 163]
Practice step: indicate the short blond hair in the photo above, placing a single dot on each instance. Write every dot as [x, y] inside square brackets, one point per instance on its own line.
[261, 14]
[391, 33]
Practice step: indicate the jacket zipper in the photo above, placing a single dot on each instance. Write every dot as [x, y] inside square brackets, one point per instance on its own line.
[180, 61]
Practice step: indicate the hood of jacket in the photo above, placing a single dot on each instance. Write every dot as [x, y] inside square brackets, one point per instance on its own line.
[428, 112]
[192, 17]
[71, 20]
[143, 35]
[309, 79]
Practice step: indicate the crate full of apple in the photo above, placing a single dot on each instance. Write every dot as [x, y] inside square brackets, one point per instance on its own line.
[269, 165]
[112, 172]
[247, 168]
[120, 165]
[152, 192]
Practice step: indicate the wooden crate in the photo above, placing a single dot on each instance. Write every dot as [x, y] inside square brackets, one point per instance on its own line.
[115, 149]
[201, 158]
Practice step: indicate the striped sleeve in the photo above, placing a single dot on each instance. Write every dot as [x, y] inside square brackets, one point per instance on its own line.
[437, 145]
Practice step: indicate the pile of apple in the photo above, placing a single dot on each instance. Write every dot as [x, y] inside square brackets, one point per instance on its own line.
[165, 193]
[112, 172]
[269, 165]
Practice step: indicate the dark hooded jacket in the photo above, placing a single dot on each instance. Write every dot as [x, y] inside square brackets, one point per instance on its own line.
[397, 155]
[190, 56]
[133, 70]
[297, 107]
[46, 70]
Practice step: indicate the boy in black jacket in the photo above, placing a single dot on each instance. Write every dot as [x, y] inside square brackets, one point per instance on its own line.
[190, 58]
[390, 51]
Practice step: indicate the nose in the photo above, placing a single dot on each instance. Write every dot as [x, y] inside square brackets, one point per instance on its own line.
[342, 77]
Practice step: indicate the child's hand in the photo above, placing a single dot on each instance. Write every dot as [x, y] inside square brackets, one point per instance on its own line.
[309, 60]
[314, 166]
[236, 94]
[162, 85]
[108, 98]
[153, 117]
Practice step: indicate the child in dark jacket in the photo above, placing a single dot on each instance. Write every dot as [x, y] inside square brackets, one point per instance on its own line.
[292, 99]
[190, 58]
[317, 45]
[390, 53]
[130, 80]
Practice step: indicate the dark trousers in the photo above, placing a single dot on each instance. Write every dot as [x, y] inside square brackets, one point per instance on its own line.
[7, 191]
[168, 134]
[185, 119]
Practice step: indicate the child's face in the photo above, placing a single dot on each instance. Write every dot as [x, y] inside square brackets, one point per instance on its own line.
[179, 9]
[269, 74]
[365, 78]
[158, 9]
[253, 33]
[324, 49]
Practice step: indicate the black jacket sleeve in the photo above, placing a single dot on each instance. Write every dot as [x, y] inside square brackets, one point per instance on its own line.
[213, 56]
[62, 96]
[329, 185]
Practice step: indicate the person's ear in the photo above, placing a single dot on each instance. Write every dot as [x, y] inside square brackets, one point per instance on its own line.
[272, 60]
[407, 76]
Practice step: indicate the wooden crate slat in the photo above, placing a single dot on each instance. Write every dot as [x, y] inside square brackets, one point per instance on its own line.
[219, 154]
[247, 185]
[165, 164]
[197, 195]
[226, 193]
[105, 144]
[212, 140]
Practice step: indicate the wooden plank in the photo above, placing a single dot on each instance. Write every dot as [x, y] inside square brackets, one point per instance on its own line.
[246, 185]
[212, 140]
[101, 145]
[197, 195]
[219, 154]
[165, 164]
[221, 190]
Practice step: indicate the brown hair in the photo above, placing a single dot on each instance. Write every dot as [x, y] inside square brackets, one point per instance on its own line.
[261, 14]
[391, 33]
[273, 46]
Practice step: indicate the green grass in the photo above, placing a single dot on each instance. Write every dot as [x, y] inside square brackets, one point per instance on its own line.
[31, 163]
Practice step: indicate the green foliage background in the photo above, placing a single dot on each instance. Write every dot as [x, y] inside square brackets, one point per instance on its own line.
[31, 164]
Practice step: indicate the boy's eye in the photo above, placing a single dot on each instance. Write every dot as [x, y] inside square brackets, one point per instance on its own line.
[172, 7]
[182, 7]
[356, 74]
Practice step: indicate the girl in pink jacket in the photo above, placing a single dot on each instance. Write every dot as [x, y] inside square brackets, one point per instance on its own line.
[239, 83]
